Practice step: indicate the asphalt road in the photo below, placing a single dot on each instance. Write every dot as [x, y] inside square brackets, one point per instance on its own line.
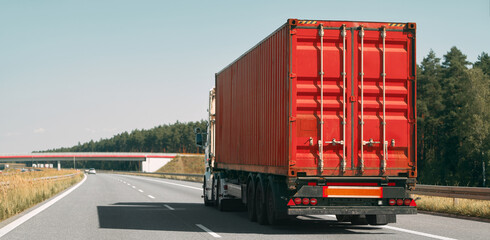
[110, 206]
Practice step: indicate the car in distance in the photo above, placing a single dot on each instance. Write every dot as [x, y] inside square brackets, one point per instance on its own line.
[91, 171]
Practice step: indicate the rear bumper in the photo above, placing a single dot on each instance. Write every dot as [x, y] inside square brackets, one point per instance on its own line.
[345, 210]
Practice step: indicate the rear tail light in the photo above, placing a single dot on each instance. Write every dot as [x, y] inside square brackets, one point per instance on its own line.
[413, 203]
[392, 202]
[297, 201]
[399, 202]
[306, 201]
[313, 201]
[407, 201]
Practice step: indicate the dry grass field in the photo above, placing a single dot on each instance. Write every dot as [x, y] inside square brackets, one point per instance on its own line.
[465, 207]
[192, 164]
[22, 190]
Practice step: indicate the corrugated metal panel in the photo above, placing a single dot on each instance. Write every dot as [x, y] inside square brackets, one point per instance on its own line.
[252, 109]
[399, 104]
[268, 120]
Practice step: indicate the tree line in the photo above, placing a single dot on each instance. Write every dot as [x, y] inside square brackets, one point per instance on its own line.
[453, 119]
[178, 137]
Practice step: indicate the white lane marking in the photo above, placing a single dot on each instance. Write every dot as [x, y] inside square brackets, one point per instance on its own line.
[36, 211]
[140, 190]
[134, 186]
[150, 196]
[417, 233]
[208, 231]
[129, 184]
[200, 189]
[169, 207]
[409, 231]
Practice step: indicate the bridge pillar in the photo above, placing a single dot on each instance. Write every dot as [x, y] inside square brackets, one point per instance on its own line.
[59, 166]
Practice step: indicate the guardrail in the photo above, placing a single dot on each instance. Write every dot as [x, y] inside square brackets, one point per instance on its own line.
[453, 192]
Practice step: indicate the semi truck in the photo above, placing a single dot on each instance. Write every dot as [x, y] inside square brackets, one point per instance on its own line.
[317, 118]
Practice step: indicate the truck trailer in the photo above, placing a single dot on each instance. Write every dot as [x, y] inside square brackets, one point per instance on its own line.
[317, 118]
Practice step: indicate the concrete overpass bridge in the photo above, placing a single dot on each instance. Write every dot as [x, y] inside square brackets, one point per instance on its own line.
[149, 162]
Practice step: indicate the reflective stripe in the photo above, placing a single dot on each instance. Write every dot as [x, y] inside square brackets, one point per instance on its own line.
[352, 192]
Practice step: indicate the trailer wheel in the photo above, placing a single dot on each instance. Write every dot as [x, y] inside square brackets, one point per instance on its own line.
[206, 201]
[251, 201]
[270, 204]
[260, 206]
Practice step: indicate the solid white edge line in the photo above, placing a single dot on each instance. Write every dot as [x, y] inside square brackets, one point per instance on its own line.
[200, 189]
[208, 231]
[417, 233]
[150, 196]
[410, 231]
[169, 207]
[11, 226]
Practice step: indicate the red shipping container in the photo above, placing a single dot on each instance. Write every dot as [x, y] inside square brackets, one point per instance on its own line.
[354, 80]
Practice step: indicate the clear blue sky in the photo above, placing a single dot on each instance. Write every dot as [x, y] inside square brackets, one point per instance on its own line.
[72, 71]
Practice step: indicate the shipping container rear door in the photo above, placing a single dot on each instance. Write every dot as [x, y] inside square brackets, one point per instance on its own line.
[352, 101]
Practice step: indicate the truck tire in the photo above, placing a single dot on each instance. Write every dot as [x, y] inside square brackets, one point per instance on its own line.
[260, 206]
[251, 201]
[344, 218]
[359, 220]
[271, 204]
[206, 201]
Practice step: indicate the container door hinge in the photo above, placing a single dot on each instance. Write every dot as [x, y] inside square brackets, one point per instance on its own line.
[352, 99]
[292, 32]
[292, 75]
[292, 119]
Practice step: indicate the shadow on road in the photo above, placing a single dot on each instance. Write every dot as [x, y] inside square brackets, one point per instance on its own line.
[171, 216]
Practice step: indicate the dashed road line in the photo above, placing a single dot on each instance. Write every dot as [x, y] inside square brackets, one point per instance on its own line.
[159, 181]
[169, 207]
[140, 190]
[150, 196]
[208, 231]
[134, 186]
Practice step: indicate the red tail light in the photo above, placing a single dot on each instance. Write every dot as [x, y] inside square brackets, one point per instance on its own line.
[392, 202]
[413, 203]
[306, 201]
[313, 201]
[291, 202]
[407, 201]
[399, 202]
[297, 201]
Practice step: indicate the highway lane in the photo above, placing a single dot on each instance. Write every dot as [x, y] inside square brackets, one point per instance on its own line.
[110, 206]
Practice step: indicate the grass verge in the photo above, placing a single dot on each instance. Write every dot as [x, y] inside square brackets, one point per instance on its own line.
[462, 207]
[191, 164]
[21, 191]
